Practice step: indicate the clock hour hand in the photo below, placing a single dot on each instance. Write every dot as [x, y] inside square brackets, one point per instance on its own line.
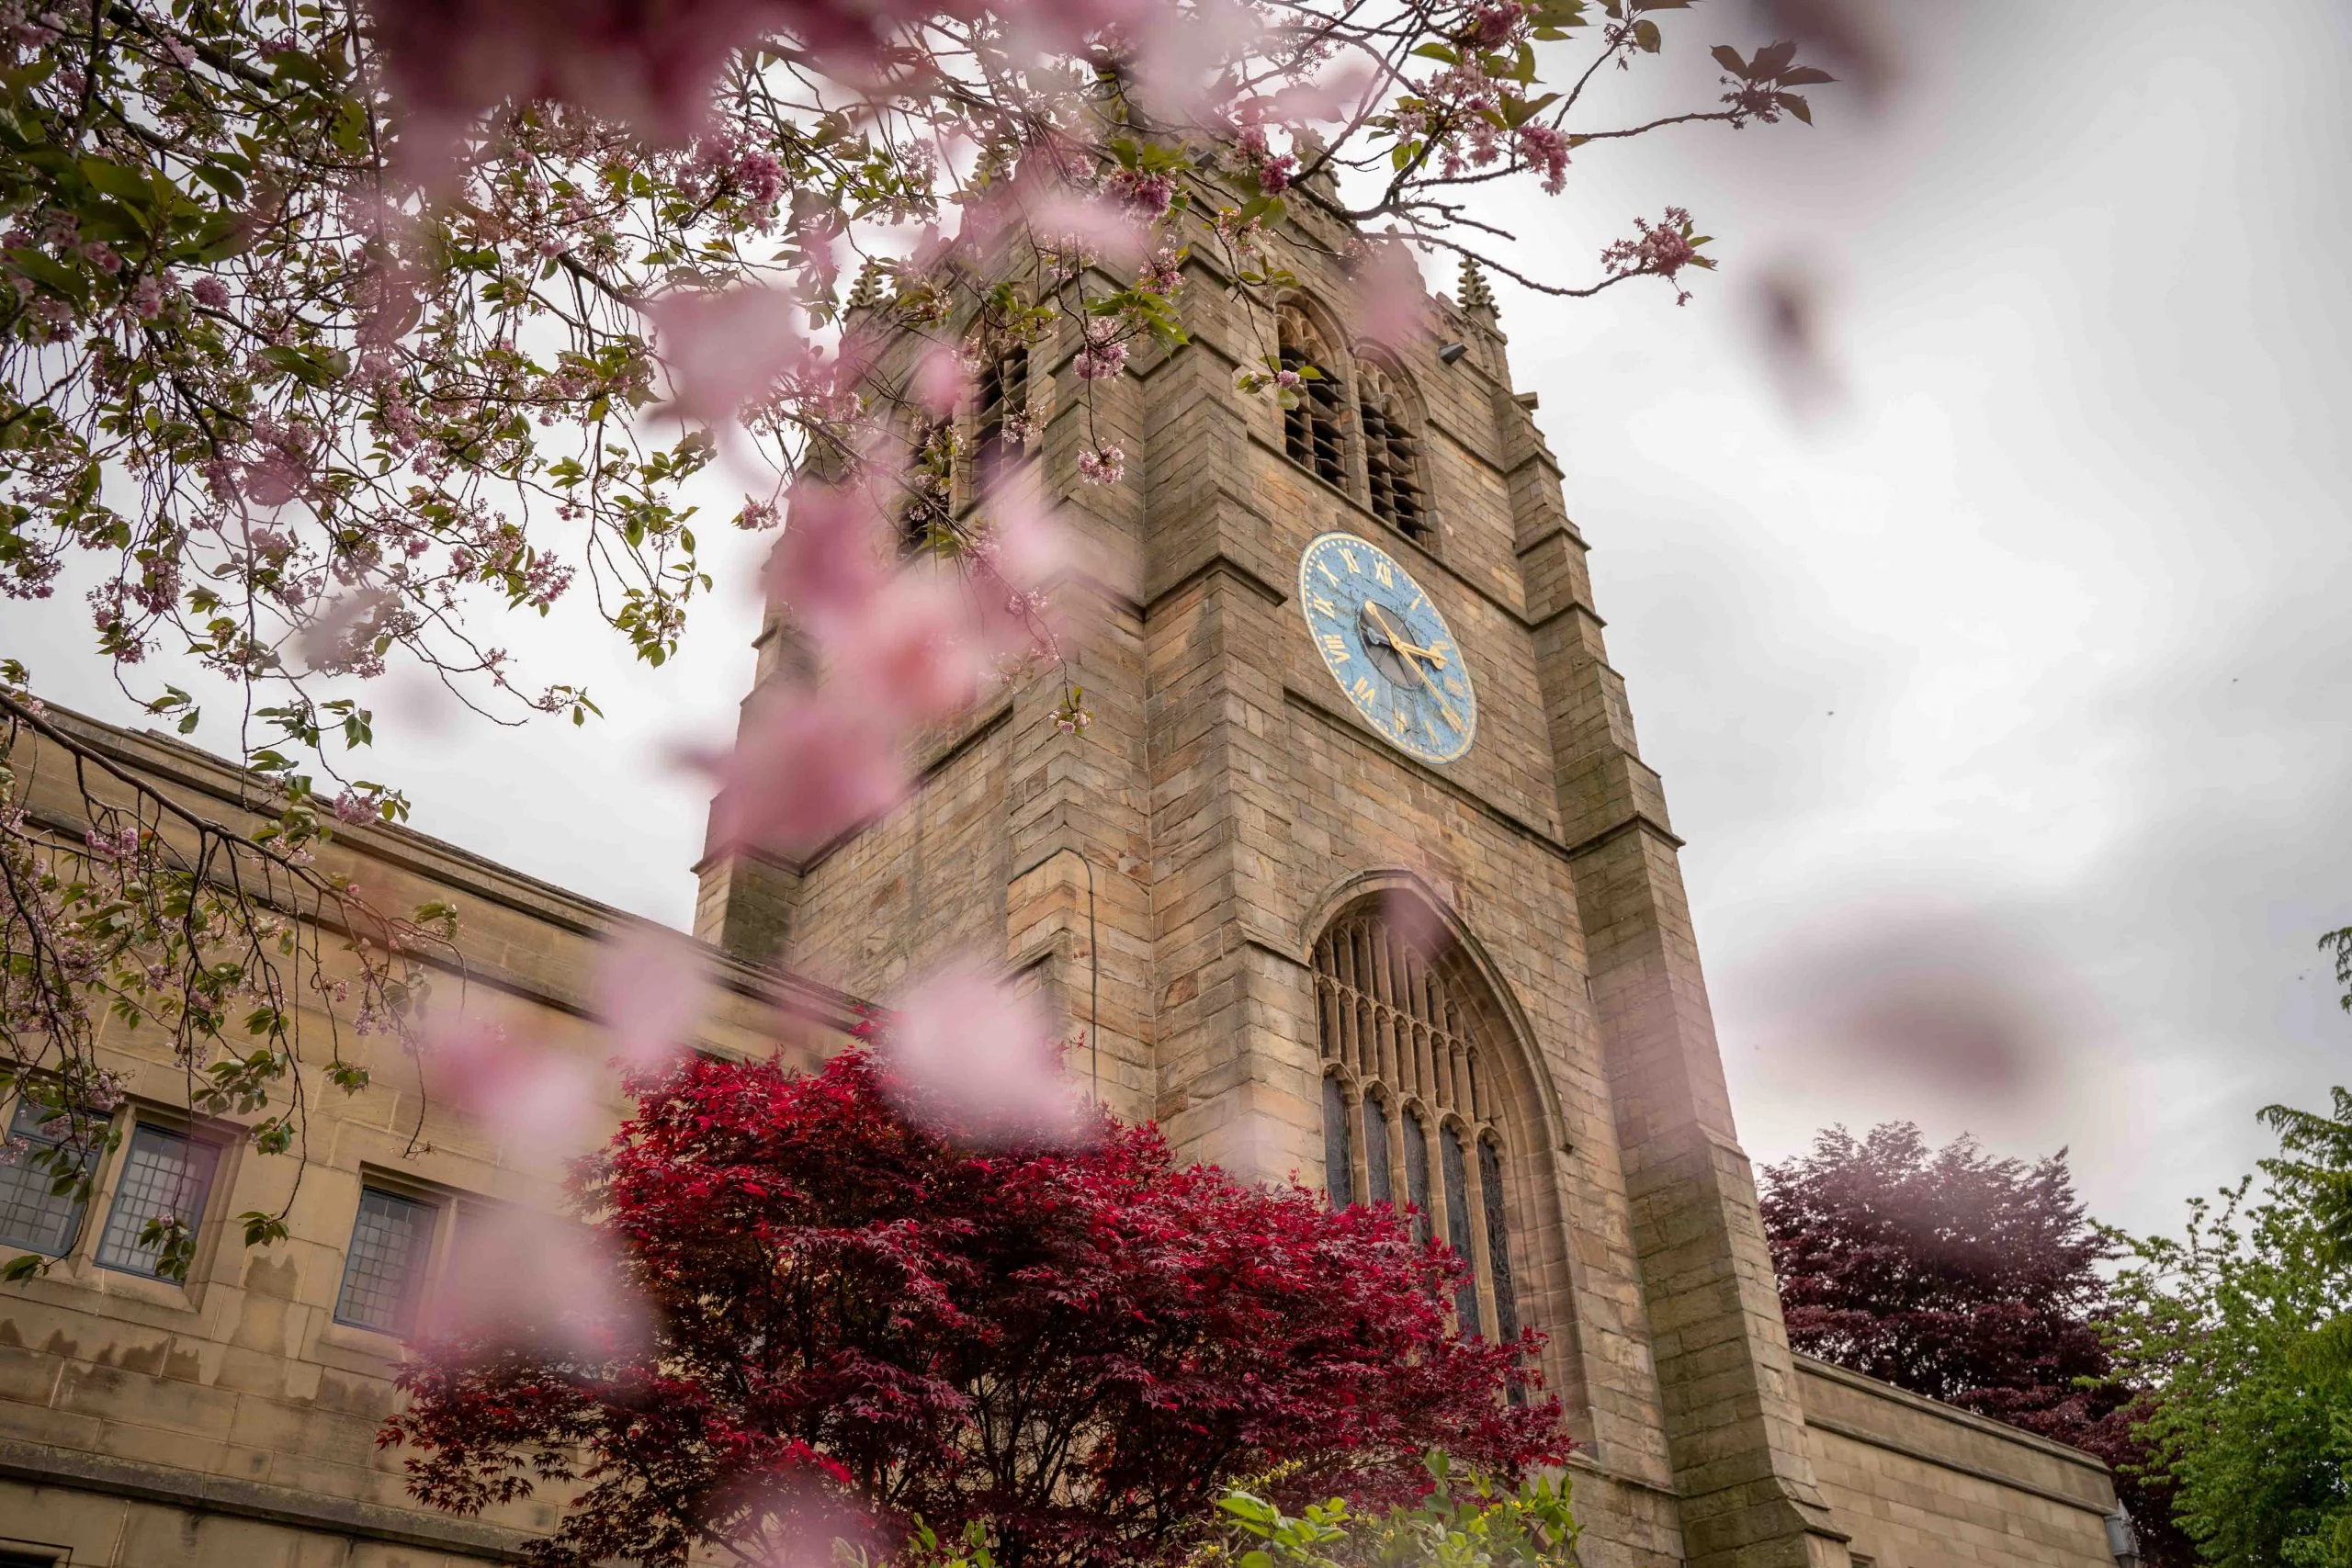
[1405, 651]
[1411, 650]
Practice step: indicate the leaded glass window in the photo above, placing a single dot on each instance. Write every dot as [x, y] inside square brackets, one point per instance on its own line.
[1417, 1173]
[33, 1213]
[1338, 1165]
[1491, 1180]
[167, 1175]
[1401, 1025]
[383, 1274]
[1458, 1216]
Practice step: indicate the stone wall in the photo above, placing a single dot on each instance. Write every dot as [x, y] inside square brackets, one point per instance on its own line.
[230, 1422]
[1919, 1484]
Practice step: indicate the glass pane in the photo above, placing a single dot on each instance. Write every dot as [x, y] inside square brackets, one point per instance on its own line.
[1490, 1177]
[385, 1269]
[1457, 1226]
[1339, 1176]
[165, 1175]
[1417, 1174]
[32, 1216]
[1375, 1150]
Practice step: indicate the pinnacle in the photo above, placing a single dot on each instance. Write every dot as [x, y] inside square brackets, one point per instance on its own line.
[1473, 291]
[865, 293]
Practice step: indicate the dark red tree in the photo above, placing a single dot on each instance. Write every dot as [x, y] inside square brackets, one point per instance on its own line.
[1081, 1346]
[1969, 1280]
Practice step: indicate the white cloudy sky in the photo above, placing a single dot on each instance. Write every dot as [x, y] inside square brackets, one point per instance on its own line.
[2003, 707]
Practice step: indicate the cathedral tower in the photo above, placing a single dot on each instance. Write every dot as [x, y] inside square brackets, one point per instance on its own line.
[1357, 872]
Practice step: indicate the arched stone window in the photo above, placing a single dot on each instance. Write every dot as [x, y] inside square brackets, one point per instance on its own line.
[1315, 431]
[1392, 450]
[1401, 1028]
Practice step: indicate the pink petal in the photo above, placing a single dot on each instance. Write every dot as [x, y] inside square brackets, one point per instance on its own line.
[809, 766]
[938, 381]
[727, 349]
[649, 991]
[1391, 302]
[792, 1521]
[1061, 217]
[829, 561]
[974, 1059]
[530, 1277]
[551, 1102]
[1031, 545]
[914, 650]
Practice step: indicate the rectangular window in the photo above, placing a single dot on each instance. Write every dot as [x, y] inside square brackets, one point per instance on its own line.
[167, 1175]
[33, 1213]
[384, 1273]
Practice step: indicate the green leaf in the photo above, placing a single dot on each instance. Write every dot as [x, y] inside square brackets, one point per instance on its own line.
[1729, 59]
[1438, 52]
[1806, 76]
[1774, 59]
[126, 184]
[1795, 105]
[1646, 37]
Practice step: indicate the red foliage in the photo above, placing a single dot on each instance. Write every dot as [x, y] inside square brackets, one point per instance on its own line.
[1966, 1279]
[1079, 1344]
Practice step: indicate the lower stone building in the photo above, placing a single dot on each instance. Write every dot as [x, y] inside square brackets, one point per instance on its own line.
[1357, 872]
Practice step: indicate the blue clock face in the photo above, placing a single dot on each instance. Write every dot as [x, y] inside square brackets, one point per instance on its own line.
[1387, 647]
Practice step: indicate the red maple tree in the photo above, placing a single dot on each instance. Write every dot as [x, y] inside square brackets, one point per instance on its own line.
[851, 1314]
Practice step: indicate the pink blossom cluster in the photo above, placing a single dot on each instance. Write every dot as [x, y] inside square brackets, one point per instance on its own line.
[1656, 250]
[1104, 465]
[1544, 148]
[1103, 354]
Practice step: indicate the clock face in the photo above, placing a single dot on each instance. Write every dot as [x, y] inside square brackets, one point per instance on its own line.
[1387, 647]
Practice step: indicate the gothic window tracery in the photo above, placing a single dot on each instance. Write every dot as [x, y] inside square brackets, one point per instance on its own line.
[1392, 451]
[1399, 1027]
[1314, 430]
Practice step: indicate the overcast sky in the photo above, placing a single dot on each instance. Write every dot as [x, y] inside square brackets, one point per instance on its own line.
[2005, 709]
[2003, 705]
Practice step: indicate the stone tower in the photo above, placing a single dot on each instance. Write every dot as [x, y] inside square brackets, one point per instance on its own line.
[1471, 983]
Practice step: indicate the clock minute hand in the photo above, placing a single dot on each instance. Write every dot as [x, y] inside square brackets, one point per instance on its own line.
[1412, 650]
[1426, 685]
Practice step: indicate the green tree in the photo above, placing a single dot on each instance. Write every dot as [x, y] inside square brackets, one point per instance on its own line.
[2241, 1323]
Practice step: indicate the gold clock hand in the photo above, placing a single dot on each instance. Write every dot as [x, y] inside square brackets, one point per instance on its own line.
[1412, 650]
[1402, 649]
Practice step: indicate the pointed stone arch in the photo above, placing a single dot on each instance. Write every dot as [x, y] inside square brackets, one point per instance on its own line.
[1392, 418]
[1314, 430]
[1415, 1030]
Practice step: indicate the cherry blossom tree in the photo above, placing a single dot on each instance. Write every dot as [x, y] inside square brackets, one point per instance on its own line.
[338, 334]
[859, 1319]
